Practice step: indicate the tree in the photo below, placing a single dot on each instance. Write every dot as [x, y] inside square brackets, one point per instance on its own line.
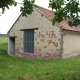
[66, 9]
[6, 4]
[26, 8]
[63, 9]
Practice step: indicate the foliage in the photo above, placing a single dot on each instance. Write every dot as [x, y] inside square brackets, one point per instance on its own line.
[63, 9]
[6, 3]
[66, 9]
[26, 7]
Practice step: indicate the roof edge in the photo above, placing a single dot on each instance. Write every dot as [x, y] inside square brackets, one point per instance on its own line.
[21, 14]
[14, 23]
[41, 12]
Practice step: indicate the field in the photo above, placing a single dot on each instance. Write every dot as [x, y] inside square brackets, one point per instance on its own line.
[3, 43]
[14, 68]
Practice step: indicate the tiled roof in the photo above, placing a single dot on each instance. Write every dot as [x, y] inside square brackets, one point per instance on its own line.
[65, 25]
[62, 24]
[47, 12]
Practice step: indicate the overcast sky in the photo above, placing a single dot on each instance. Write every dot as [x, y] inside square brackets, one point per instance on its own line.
[8, 18]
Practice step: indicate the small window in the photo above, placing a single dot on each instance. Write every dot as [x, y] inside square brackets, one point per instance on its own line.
[29, 41]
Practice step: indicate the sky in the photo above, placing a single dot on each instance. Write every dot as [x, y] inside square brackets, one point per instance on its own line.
[9, 17]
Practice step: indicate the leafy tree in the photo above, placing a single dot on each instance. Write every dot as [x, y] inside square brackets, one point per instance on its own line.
[26, 8]
[66, 9]
[6, 3]
[63, 9]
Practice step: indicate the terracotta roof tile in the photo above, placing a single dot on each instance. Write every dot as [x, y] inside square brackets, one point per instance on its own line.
[65, 25]
[47, 12]
[62, 24]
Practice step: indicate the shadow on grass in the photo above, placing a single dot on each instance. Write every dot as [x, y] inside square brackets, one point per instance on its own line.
[3, 48]
[3, 52]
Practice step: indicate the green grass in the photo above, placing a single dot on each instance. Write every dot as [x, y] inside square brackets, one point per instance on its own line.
[14, 68]
[3, 43]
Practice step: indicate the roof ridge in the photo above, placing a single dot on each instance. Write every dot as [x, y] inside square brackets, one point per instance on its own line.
[49, 13]
[45, 8]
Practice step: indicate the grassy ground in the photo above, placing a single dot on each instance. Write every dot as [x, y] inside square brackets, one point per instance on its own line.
[3, 43]
[13, 68]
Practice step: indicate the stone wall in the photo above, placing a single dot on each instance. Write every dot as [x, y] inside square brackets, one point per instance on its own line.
[46, 38]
